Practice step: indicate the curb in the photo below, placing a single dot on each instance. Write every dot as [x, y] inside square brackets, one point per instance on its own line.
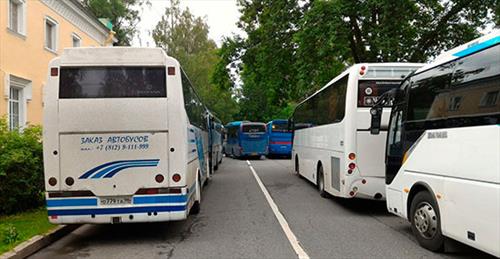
[38, 242]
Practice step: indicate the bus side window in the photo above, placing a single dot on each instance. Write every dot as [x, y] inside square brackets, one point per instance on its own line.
[475, 89]
[428, 94]
[394, 145]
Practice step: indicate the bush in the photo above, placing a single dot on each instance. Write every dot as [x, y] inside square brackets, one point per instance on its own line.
[21, 169]
[10, 235]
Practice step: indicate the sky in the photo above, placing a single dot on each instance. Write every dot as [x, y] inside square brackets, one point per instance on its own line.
[221, 16]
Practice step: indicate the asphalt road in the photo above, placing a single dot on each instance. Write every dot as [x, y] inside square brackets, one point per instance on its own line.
[236, 221]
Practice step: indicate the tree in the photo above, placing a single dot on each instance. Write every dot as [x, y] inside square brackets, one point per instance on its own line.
[336, 33]
[185, 37]
[122, 15]
[267, 57]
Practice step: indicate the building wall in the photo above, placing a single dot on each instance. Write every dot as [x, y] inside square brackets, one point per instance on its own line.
[26, 56]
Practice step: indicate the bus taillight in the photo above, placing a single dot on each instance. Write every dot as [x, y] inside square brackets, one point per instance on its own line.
[362, 71]
[352, 166]
[159, 178]
[54, 71]
[176, 177]
[352, 156]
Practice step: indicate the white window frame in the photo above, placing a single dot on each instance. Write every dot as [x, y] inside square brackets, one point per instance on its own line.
[21, 19]
[74, 37]
[25, 95]
[54, 35]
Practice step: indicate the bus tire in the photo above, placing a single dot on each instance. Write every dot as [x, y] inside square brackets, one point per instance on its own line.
[426, 221]
[297, 165]
[195, 209]
[216, 166]
[321, 183]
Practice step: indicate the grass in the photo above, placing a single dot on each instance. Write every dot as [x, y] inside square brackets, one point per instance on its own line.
[18, 228]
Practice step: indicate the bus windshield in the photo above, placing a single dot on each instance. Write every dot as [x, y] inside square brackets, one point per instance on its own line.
[253, 128]
[370, 90]
[280, 127]
[112, 82]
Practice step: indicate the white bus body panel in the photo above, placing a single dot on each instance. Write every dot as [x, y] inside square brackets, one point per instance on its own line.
[462, 166]
[79, 136]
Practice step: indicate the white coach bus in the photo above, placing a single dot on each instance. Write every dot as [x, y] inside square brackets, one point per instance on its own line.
[332, 145]
[125, 137]
[443, 149]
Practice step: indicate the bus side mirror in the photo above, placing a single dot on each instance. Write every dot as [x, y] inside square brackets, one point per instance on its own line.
[376, 114]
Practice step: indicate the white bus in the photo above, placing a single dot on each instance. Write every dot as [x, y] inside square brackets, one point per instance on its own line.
[125, 137]
[332, 145]
[443, 148]
[215, 141]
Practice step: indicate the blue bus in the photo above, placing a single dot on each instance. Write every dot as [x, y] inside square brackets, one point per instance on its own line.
[246, 138]
[280, 138]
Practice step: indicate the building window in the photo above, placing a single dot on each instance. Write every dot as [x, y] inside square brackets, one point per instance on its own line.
[19, 91]
[51, 34]
[16, 16]
[77, 41]
[489, 99]
[15, 101]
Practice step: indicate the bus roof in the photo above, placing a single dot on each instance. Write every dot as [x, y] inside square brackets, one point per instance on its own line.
[465, 49]
[278, 120]
[85, 56]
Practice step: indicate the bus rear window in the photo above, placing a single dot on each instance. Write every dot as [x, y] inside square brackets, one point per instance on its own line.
[370, 90]
[280, 127]
[112, 82]
[253, 129]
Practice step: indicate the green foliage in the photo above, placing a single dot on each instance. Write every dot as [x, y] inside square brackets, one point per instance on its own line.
[21, 169]
[185, 37]
[122, 15]
[22, 226]
[293, 48]
[268, 56]
[10, 235]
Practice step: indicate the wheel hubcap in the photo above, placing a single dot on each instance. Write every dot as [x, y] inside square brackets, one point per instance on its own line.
[425, 220]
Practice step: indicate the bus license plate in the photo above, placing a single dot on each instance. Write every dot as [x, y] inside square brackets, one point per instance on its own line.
[116, 200]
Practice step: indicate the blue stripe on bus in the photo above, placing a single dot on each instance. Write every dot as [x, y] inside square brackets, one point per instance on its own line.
[160, 199]
[107, 211]
[478, 47]
[71, 202]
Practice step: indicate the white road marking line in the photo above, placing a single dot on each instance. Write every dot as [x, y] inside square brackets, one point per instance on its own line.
[281, 219]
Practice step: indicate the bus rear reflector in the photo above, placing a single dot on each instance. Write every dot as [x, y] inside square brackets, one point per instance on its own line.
[280, 142]
[63, 194]
[143, 191]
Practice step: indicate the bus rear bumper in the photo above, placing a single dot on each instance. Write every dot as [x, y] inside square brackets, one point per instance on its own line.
[143, 208]
[280, 150]
[118, 218]
[372, 188]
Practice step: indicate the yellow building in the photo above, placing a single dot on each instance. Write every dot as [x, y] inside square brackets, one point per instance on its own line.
[32, 32]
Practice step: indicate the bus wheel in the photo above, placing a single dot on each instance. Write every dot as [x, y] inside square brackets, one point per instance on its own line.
[216, 166]
[195, 209]
[321, 183]
[297, 166]
[426, 221]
